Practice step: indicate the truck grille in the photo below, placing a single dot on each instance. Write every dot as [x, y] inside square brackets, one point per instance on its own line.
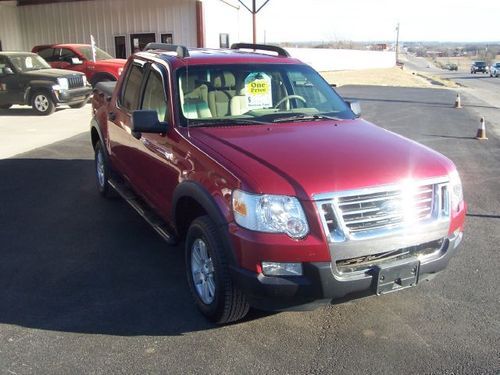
[385, 209]
[365, 211]
[75, 82]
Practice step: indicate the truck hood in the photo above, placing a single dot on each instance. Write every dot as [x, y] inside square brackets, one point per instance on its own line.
[308, 158]
[51, 73]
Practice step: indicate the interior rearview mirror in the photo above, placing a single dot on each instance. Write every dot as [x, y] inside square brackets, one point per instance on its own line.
[355, 108]
[146, 121]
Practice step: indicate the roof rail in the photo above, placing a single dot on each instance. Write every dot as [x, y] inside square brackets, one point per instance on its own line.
[262, 47]
[180, 50]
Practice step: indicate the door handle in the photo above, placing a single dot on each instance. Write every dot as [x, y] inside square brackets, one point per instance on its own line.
[112, 116]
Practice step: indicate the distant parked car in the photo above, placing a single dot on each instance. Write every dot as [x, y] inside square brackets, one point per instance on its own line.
[26, 78]
[495, 69]
[79, 57]
[451, 66]
[478, 67]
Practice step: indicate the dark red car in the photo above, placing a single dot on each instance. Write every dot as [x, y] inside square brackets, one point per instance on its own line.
[280, 193]
[79, 57]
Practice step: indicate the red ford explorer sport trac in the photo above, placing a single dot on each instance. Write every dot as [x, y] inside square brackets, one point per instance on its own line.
[281, 194]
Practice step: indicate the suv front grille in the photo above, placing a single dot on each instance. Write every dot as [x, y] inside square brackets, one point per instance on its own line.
[385, 209]
[75, 82]
[372, 211]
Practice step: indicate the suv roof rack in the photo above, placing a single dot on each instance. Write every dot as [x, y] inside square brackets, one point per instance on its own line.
[181, 51]
[262, 47]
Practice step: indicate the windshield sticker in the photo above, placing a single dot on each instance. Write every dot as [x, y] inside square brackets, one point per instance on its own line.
[29, 63]
[258, 91]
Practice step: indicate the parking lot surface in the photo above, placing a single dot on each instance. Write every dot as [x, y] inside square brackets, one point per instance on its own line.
[87, 287]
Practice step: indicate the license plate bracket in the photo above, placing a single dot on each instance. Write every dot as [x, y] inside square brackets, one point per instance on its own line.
[395, 277]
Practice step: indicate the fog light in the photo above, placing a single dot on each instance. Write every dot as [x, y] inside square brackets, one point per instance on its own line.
[281, 269]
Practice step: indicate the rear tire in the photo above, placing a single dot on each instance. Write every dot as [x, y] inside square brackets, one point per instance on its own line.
[208, 274]
[102, 171]
[42, 103]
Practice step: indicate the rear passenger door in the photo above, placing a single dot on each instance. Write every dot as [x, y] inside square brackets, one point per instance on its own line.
[124, 147]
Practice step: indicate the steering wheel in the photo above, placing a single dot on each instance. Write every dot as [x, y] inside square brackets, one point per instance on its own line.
[288, 97]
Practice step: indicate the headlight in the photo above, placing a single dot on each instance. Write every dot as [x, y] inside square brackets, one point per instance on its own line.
[270, 213]
[457, 194]
[120, 71]
[63, 83]
[84, 80]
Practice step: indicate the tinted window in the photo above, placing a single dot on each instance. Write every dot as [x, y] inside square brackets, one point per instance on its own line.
[154, 97]
[47, 54]
[131, 88]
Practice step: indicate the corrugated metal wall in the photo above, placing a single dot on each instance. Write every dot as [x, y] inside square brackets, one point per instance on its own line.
[75, 22]
[10, 27]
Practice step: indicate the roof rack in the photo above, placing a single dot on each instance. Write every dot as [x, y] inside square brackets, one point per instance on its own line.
[262, 47]
[180, 50]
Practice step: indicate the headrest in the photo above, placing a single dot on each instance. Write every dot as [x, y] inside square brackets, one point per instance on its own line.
[224, 80]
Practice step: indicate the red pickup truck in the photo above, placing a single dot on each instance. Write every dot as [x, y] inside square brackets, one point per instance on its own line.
[79, 57]
[281, 194]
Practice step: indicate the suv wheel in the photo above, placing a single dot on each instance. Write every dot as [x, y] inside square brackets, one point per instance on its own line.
[42, 103]
[208, 274]
[102, 170]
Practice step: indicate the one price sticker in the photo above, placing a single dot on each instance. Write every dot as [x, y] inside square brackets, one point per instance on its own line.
[258, 91]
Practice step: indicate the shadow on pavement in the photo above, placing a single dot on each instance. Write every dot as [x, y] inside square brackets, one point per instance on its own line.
[485, 216]
[434, 104]
[73, 261]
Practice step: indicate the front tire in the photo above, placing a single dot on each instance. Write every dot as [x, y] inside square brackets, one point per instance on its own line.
[42, 103]
[208, 275]
[102, 171]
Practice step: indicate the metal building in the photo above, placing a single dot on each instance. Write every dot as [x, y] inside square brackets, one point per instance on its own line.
[122, 26]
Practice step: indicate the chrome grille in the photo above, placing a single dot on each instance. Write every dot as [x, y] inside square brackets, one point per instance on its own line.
[75, 82]
[386, 208]
[380, 210]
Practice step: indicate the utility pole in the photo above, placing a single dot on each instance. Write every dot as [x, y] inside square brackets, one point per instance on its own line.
[254, 12]
[397, 43]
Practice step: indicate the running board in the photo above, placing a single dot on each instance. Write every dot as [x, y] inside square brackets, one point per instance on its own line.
[143, 209]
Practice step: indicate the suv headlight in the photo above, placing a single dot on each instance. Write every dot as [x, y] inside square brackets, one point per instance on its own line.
[457, 194]
[85, 82]
[63, 83]
[270, 213]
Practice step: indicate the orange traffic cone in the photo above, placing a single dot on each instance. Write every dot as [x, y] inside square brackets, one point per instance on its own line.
[458, 103]
[481, 132]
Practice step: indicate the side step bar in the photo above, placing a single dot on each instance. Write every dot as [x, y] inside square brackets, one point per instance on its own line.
[142, 209]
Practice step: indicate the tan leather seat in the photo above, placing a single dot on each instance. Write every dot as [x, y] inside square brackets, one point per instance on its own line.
[194, 98]
[239, 103]
[220, 97]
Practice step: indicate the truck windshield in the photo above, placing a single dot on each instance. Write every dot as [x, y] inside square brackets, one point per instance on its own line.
[99, 53]
[26, 63]
[256, 93]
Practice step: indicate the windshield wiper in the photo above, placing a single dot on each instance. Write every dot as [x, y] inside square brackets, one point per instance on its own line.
[227, 122]
[304, 117]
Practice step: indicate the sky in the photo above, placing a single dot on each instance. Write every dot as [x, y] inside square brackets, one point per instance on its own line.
[371, 20]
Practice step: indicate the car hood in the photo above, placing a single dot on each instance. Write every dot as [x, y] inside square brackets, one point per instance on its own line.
[304, 159]
[51, 73]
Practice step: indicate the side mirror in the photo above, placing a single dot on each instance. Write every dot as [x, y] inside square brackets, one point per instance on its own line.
[355, 108]
[146, 121]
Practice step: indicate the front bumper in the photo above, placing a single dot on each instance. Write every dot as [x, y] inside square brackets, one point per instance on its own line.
[319, 283]
[73, 95]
